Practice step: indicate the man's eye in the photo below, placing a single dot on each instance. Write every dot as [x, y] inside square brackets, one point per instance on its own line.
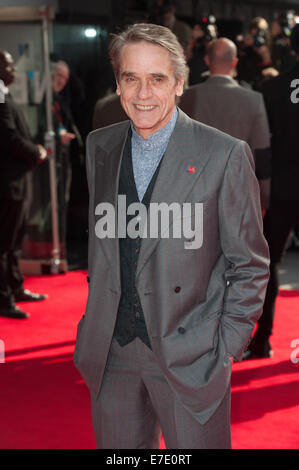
[130, 79]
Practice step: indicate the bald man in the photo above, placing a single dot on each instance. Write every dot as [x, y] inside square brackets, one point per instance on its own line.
[222, 103]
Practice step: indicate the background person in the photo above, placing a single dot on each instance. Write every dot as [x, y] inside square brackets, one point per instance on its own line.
[254, 53]
[107, 111]
[222, 103]
[204, 32]
[18, 156]
[283, 214]
[65, 133]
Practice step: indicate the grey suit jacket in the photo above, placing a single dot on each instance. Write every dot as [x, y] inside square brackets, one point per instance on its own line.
[222, 103]
[222, 283]
[107, 111]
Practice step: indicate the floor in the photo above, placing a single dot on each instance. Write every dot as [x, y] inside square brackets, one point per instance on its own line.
[289, 270]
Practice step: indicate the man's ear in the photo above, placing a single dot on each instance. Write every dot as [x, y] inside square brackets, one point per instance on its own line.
[180, 86]
[117, 89]
[235, 62]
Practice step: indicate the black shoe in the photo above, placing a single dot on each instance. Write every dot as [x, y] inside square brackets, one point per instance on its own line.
[13, 312]
[258, 351]
[24, 295]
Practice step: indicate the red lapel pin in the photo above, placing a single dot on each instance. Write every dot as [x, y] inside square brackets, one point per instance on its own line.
[191, 169]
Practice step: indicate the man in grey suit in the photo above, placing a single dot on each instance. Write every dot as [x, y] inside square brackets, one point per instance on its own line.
[166, 313]
[107, 111]
[222, 103]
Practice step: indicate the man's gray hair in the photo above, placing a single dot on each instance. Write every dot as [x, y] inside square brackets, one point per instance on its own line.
[154, 34]
[54, 66]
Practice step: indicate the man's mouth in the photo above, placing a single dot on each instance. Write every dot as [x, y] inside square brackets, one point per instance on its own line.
[142, 107]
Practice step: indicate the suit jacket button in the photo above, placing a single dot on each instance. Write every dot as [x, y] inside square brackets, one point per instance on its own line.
[181, 330]
[177, 289]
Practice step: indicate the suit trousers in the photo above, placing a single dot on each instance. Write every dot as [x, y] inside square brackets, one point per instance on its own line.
[136, 404]
[280, 219]
[12, 223]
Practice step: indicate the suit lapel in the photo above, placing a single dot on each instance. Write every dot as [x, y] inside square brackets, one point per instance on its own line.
[107, 171]
[180, 169]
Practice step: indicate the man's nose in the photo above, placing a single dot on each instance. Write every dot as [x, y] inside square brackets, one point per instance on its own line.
[144, 90]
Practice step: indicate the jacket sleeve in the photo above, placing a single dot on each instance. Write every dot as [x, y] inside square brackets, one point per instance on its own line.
[16, 145]
[259, 142]
[245, 250]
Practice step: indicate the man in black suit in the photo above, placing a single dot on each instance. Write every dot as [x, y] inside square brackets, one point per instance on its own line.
[281, 96]
[18, 156]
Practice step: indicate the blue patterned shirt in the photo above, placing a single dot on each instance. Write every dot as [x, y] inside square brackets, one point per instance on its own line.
[146, 154]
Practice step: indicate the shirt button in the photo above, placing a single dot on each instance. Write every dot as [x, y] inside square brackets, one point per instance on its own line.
[181, 330]
[177, 289]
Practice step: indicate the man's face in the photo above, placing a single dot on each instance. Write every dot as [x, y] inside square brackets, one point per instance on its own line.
[147, 86]
[60, 78]
[7, 69]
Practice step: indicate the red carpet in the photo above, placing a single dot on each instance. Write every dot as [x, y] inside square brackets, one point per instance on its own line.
[45, 405]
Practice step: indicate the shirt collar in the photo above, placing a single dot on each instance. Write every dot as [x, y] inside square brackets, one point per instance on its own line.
[3, 88]
[159, 138]
[222, 75]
